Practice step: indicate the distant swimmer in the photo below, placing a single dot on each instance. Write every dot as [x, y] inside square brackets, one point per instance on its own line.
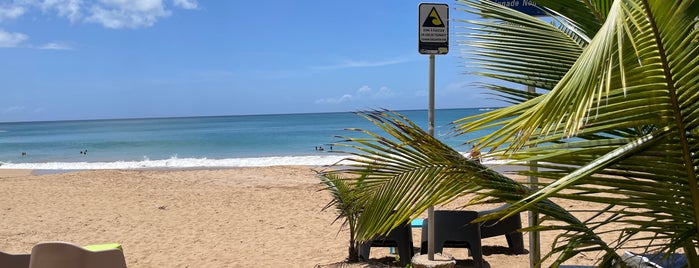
[24, 154]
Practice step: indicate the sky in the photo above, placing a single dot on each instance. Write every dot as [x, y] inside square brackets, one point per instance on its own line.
[107, 59]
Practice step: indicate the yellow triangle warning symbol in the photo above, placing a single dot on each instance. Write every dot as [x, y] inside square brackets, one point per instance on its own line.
[433, 19]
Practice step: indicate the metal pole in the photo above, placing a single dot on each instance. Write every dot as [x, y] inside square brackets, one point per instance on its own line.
[534, 239]
[430, 111]
[430, 129]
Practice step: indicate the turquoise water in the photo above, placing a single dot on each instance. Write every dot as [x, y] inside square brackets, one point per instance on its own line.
[253, 140]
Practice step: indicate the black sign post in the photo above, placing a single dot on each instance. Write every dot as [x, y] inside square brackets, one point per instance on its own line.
[433, 39]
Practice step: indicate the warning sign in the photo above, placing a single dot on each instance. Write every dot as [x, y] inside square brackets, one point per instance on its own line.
[433, 28]
[433, 19]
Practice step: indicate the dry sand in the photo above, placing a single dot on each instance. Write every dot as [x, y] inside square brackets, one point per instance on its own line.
[245, 217]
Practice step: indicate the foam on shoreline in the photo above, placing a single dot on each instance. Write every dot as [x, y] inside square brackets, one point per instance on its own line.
[184, 163]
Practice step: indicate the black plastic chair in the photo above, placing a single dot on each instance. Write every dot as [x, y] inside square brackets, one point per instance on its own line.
[507, 227]
[400, 238]
[453, 229]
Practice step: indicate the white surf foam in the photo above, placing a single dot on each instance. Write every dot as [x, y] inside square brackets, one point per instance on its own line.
[182, 163]
[175, 162]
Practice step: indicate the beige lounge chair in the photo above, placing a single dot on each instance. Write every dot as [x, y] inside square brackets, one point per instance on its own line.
[8, 260]
[67, 255]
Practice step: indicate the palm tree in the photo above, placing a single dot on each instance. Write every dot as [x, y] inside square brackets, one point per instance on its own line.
[616, 124]
[345, 202]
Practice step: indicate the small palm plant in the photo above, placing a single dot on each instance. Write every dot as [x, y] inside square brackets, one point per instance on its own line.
[344, 200]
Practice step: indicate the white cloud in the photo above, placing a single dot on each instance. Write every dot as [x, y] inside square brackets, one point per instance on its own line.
[360, 64]
[13, 110]
[8, 39]
[65, 8]
[146, 6]
[117, 14]
[11, 12]
[114, 14]
[126, 18]
[19, 110]
[344, 98]
[55, 46]
[364, 90]
[186, 4]
[382, 93]
[364, 93]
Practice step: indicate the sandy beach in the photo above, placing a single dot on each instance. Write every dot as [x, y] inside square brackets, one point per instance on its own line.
[243, 217]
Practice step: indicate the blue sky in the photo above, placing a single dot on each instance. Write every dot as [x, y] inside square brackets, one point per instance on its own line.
[80, 59]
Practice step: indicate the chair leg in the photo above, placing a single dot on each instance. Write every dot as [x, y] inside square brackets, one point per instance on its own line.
[438, 246]
[365, 250]
[405, 251]
[516, 242]
[477, 252]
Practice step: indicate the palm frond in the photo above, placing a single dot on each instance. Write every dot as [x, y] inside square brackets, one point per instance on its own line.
[514, 47]
[407, 171]
[620, 127]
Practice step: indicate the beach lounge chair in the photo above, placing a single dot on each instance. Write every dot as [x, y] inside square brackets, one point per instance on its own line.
[453, 228]
[654, 260]
[67, 255]
[401, 238]
[8, 260]
[650, 260]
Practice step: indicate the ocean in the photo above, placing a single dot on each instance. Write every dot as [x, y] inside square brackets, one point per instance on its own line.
[196, 142]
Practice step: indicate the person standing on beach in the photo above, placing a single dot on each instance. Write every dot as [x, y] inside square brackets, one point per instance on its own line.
[475, 154]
